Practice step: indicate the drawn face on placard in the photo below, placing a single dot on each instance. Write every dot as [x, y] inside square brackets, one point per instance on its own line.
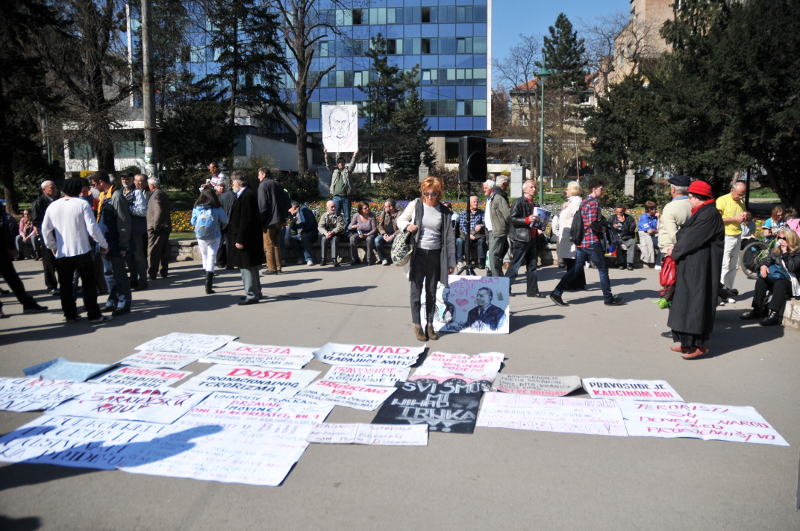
[340, 124]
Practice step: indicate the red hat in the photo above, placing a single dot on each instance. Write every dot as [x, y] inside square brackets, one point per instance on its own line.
[700, 188]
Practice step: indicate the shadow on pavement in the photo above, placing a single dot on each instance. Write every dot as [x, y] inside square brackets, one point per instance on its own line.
[521, 321]
[27, 523]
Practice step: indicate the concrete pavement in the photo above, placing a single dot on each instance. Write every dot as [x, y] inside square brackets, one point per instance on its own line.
[495, 478]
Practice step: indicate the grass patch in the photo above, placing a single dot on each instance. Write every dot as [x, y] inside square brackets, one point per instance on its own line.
[763, 193]
[181, 236]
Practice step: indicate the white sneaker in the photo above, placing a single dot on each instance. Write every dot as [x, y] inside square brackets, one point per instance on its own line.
[385, 261]
[658, 268]
[310, 263]
[731, 301]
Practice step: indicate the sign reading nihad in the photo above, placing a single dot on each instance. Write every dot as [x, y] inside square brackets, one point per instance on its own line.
[655, 390]
[369, 355]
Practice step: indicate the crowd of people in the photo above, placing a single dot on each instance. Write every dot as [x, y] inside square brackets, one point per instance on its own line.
[112, 236]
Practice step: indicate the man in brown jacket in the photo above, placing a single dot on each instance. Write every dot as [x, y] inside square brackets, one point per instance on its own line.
[159, 225]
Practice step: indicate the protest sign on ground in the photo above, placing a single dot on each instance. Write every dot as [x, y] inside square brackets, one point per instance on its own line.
[656, 390]
[366, 397]
[368, 355]
[532, 384]
[380, 376]
[562, 415]
[371, 434]
[699, 421]
[153, 359]
[242, 354]
[77, 442]
[61, 369]
[441, 366]
[449, 407]
[473, 304]
[188, 343]
[258, 380]
[141, 377]
[163, 405]
[34, 394]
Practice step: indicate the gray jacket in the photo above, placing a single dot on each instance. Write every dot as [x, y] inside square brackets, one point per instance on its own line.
[500, 212]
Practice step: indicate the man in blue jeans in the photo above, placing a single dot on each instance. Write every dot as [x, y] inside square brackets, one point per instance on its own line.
[591, 248]
[305, 224]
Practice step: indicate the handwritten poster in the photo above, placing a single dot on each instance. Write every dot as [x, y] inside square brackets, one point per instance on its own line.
[153, 359]
[371, 434]
[472, 304]
[442, 366]
[531, 384]
[230, 456]
[141, 377]
[259, 380]
[242, 354]
[34, 394]
[368, 355]
[340, 128]
[188, 343]
[76, 442]
[451, 407]
[656, 390]
[562, 415]
[366, 397]
[699, 421]
[381, 376]
[163, 405]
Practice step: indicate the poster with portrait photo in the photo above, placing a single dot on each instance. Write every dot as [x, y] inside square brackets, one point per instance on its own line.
[472, 304]
[340, 128]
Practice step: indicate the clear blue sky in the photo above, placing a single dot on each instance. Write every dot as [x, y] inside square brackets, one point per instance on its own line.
[510, 18]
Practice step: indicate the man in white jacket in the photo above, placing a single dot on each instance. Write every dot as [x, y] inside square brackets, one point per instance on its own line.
[66, 228]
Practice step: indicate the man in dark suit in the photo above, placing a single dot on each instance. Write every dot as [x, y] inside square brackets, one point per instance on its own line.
[39, 206]
[159, 225]
[226, 198]
[244, 231]
[484, 314]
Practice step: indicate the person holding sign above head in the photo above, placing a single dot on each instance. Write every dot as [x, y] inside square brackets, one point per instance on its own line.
[341, 186]
[434, 254]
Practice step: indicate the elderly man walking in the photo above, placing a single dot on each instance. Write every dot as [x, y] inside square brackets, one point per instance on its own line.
[734, 213]
[523, 240]
[159, 225]
[497, 217]
[244, 231]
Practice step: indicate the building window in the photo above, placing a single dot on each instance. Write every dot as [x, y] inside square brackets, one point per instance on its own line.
[428, 46]
[464, 108]
[357, 17]
[429, 14]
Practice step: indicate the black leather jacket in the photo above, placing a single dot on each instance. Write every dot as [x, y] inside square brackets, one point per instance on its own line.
[521, 208]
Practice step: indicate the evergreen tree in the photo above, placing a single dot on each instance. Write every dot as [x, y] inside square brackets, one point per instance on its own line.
[564, 56]
[409, 128]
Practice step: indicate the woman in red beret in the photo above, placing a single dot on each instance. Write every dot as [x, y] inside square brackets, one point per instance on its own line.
[698, 256]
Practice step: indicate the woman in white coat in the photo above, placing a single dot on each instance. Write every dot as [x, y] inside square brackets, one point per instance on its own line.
[565, 248]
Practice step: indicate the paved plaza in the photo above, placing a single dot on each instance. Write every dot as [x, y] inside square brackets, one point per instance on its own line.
[493, 479]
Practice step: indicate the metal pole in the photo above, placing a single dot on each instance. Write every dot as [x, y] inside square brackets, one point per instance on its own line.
[148, 93]
[541, 147]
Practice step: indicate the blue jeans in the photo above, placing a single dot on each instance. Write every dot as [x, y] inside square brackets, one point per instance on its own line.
[119, 288]
[594, 253]
[307, 239]
[379, 247]
[342, 205]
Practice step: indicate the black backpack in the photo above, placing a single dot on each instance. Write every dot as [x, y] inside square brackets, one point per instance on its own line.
[577, 230]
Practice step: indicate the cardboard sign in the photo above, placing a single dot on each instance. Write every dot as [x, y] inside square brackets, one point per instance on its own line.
[153, 359]
[471, 304]
[531, 384]
[162, 405]
[242, 354]
[366, 397]
[258, 380]
[370, 434]
[140, 377]
[368, 355]
[255, 412]
[77, 442]
[656, 390]
[34, 394]
[380, 376]
[340, 128]
[61, 369]
[562, 415]
[187, 343]
[451, 407]
[699, 421]
[441, 366]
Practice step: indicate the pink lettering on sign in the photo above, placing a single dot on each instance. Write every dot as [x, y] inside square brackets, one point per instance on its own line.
[380, 350]
[265, 374]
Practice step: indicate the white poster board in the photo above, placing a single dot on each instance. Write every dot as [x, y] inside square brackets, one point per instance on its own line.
[441, 366]
[532, 384]
[380, 376]
[472, 304]
[77, 442]
[34, 394]
[368, 355]
[141, 377]
[366, 397]
[370, 434]
[562, 415]
[699, 421]
[655, 390]
[243, 354]
[163, 405]
[257, 380]
[154, 359]
[340, 128]
[255, 412]
[187, 343]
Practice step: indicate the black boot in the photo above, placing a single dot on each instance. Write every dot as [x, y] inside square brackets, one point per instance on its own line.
[771, 320]
[755, 313]
[209, 280]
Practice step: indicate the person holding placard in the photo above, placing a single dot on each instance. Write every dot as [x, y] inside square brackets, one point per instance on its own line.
[341, 186]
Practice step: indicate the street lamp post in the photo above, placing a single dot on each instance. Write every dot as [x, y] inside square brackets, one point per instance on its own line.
[543, 75]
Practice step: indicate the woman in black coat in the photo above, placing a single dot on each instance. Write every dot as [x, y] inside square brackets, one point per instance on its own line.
[698, 256]
[787, 255]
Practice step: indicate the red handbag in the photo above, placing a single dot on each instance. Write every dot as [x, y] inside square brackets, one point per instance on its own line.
[669, 272]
